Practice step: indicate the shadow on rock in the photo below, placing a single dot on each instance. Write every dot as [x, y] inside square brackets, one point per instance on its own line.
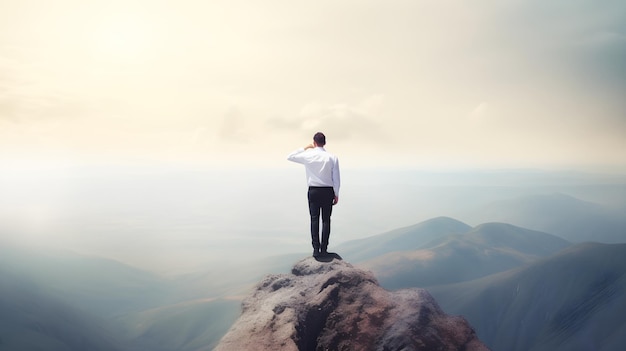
[329, 257]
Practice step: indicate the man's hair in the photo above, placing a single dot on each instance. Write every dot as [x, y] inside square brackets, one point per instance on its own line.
[319, 138]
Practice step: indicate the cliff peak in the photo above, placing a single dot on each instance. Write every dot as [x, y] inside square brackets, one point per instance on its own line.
[335, 306]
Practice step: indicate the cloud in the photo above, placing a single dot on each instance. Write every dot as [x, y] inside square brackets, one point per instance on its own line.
[455, 76]
[284, 124]
[233, 126]
[24, 97]
[198, 134]
[480, 113]
[339, 121]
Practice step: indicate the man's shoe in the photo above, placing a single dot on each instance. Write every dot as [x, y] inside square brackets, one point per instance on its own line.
[316, 253]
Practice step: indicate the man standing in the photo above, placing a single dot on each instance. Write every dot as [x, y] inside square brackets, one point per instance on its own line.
[322, 173]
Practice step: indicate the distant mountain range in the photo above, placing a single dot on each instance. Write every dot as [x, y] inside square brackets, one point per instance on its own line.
[489, 248]
[566, 216]
[521, 289]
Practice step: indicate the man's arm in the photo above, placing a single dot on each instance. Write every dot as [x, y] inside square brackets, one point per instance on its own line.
[336, 181]
[296, 156]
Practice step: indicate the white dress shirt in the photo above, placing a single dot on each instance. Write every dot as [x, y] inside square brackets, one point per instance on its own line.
[322, 167]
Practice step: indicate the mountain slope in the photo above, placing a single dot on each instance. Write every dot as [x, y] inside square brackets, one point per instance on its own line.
[489, 248]
[32, 320]
[407, 238]
[143, 310]
[574, 300]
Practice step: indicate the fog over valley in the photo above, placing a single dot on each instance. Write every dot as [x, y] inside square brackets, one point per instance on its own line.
[176, 221]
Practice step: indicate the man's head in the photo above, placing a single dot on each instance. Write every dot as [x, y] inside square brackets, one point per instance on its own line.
[320, 139]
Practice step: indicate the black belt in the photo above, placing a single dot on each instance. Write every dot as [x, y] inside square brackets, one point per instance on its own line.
[320, 187]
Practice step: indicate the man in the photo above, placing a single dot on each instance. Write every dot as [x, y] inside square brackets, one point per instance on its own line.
[322, 173]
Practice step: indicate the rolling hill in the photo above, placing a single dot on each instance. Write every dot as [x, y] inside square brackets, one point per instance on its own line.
[407, 238]
[486, 249]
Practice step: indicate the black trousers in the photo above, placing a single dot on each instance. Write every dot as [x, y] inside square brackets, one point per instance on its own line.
[320, 201]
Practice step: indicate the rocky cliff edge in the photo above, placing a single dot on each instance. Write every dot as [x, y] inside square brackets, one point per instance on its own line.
[335, 306]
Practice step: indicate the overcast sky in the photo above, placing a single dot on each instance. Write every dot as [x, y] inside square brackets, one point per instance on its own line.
[515, 83]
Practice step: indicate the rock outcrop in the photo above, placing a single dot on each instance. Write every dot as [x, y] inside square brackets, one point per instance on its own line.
[334, 306]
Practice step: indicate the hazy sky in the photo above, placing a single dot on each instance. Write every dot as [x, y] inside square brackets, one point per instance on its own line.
[515, 83]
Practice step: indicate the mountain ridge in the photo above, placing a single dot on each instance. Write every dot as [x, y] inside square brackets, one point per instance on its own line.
[560, 214]
[405, 238]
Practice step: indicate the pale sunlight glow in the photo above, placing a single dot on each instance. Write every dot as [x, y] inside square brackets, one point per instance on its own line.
[122, 38]
[416, 84]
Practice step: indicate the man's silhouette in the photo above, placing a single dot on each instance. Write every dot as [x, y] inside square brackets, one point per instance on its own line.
[322, 173]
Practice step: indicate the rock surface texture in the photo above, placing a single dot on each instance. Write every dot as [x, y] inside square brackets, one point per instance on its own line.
[334, 306]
